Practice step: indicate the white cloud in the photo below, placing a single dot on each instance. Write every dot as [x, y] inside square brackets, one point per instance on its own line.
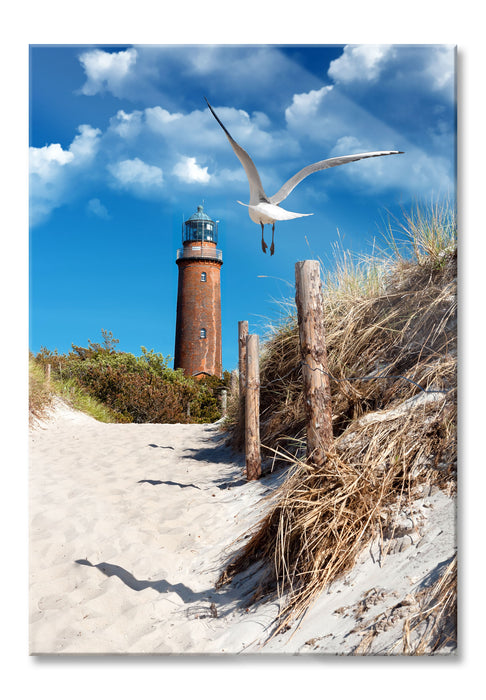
[46, 161]
[188, 170]
[261, 120]
[306, 104]
[397, 69]
[226, 175]
[426, 70]
[134, 174]
[54, 170]
[107, 71]
[152, 74]
[346, 145]
[85, 144]
[411, 172]
[127, 125]
[157, 118]
[255, 134]
[96, 208]
[341, 127]
[414, 84]
[164, 135]
[362, 63]
[322, 117]
[439, 69]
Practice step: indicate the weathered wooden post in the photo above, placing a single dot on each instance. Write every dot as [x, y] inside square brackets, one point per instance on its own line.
[48, 373]
[317, 388]
[242, 335]
[252, 410]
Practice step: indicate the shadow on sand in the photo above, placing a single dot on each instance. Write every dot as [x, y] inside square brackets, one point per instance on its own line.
[162, 586]
[156, 482]
[161, 447]
[201, 604]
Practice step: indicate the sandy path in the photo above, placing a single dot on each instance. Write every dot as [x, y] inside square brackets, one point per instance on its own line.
[130, 526]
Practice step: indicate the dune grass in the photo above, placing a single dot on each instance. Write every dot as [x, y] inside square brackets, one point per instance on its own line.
[42, 394]
[79, 399]
[388, 316]
[433, 628]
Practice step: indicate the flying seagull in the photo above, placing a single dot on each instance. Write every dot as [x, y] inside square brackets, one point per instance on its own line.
[265, 210]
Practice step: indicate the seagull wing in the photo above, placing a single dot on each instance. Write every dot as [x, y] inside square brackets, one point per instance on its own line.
[257, 193]
[286, 189]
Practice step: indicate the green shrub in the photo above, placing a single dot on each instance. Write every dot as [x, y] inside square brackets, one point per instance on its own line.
[136, 392]
[139, 389]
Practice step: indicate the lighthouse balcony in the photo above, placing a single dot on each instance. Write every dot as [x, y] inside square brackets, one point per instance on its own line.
[200, 252]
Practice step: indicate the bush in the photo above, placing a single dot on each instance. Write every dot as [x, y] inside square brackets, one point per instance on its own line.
[136, 392]
[139, 389]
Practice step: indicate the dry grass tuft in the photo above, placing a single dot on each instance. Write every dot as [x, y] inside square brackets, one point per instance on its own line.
[392, 317]
[323, 517]
[434, 628]
[40, 394]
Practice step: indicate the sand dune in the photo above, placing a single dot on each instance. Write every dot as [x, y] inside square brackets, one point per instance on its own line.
[131, 524]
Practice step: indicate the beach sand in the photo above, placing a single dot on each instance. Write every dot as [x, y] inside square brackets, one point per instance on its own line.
[130, 526]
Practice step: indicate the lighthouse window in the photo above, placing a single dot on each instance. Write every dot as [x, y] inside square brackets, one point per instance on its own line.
[203, 276]
[202, 333]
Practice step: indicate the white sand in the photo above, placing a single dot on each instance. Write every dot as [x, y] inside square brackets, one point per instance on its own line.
[130, 526]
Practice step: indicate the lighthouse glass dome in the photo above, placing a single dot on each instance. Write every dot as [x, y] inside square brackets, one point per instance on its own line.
[200, 227]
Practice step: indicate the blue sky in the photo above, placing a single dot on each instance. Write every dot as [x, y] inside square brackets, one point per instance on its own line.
[123, 148]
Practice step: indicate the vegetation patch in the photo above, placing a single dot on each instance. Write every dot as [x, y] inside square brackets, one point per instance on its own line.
[40, 393]
[391, 342]
[126, 388]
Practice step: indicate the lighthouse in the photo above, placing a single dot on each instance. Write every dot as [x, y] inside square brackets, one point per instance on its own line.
[198, 324]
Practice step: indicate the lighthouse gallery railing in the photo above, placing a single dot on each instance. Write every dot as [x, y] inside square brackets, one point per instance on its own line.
[199, 251]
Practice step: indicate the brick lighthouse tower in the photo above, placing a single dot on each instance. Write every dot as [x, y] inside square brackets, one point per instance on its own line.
[198, 325]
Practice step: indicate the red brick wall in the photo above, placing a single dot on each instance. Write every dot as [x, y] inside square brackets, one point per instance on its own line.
[198, 306]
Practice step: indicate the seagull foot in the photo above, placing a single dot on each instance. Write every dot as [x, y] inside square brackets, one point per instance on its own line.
[272, 249]
[264, 246]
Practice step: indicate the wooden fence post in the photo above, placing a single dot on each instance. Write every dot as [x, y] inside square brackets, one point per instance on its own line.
[317, 389]
[252, 410]
[48, 373]
[242, 335]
